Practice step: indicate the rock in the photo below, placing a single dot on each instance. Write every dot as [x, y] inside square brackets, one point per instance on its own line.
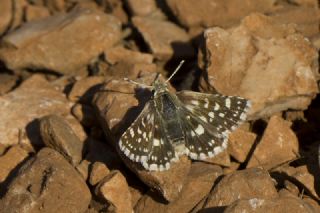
[7, 82]
[18, 9]
[222, 159]
[115, 8]
[277, 205]
[117, 109]
[199, 182]
[53, 39]
[142, 7]
[84, 89]
[114, 189]
[278, 145]
[306, 19]
[130, 71]
[84, 114]
[303, 177]
[5, 15]
[216, 13]
[98, 172]
[10, 160]
[173, 42]
[34, 12]
[240, 143]
[46, 183]
[83, 169]
[244, 60]
[34, 98]
[312, 203]
[116, 54]
[58, 135]
[245, 184]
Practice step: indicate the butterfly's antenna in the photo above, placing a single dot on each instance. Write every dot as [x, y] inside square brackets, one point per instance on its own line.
[137, 83]
[175, 71]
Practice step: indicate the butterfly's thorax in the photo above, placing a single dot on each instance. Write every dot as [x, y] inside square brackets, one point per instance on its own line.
[167, 107]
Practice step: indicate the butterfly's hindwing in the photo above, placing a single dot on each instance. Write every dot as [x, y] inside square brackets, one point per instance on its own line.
[145, 141]
[223, 113]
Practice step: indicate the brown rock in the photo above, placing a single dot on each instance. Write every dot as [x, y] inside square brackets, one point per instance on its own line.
[131, 71]
[277, 205]
[216, 12]
[34, 12]
[7, 82]
[164, 44]
[302, 175]
[6, 14]
[83, 169]
[58, 135]
[240, 144]
[117, 110]
[244, 60]
[114, 189]
[198, 184]
[84, 89]
[142, 7]
[14, 156]
[18, 9]
[306, 19]
[222, 159]
[84, 114]
[312, 203]
[56, 38]
[245, 184]
[34, 98]
[278, 144]
[46, 183]
[98, 172]
[117, 54]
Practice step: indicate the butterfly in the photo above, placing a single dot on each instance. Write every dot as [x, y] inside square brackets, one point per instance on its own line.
[182, 123]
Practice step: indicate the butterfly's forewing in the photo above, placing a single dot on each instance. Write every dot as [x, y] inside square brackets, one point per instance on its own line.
[208, 120]
[135, 141]
[145, 141]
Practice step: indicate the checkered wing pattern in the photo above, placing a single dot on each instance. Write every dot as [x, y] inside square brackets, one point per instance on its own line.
[145, 141]
[208, 119]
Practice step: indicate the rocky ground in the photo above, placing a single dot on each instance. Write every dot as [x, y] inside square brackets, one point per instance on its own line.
[64, 103]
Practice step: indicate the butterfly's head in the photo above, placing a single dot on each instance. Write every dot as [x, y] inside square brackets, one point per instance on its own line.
[159, 86]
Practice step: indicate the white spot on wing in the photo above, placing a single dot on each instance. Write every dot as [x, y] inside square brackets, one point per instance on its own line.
[199, 130]
[156, 142]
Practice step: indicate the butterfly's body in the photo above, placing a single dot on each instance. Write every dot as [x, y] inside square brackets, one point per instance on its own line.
[186, 122]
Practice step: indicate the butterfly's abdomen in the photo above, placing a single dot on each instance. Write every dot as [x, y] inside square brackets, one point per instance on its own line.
[170, 118]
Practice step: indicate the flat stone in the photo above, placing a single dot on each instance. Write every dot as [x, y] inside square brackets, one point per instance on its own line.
[306, 19]
[277, 205]
[46, 183]
[10, 159]
[58, 135]
[84, 89]
[117, 109]
[115, 190]
[142, 7]
[6, 12]
[278, 145]
[198, 184]
[116, 54]
[34, 12]
[216, 12]
[53, 39]
[33, 99]
[7, 82]
[164, 44]
[98, 172]
[245, 59]
[244, 184]
[240, 143]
